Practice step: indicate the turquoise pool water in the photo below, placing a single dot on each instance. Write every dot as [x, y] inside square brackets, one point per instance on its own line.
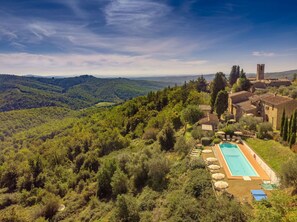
[237, 163]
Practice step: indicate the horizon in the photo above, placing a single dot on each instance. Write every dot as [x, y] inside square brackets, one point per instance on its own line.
[146, 38]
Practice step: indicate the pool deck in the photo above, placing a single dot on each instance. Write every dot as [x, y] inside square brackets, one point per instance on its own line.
[237, 186]
[262, 175]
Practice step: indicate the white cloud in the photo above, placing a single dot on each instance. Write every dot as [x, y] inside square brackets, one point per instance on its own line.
[263, 54]
[119, 65]
[134, 15]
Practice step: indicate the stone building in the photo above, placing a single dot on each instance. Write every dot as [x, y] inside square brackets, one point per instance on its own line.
[261, 83]
[268, 106]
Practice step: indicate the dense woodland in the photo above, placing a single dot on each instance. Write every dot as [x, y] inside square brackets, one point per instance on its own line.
[18, 92]
[125, 163]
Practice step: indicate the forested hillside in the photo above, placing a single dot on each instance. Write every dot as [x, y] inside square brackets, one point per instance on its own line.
[108, 164]
[76, 92]
[125, 163]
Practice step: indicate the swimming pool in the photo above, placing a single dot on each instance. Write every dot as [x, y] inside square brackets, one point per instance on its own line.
[236, 161]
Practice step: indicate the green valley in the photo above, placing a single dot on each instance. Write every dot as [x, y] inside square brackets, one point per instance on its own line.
[18, 92]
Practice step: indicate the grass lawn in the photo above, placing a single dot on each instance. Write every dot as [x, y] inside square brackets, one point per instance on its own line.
[105, 104]
[274, 153]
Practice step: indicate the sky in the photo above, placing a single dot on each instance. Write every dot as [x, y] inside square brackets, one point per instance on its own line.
[146, 37]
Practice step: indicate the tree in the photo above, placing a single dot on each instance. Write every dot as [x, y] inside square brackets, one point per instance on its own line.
[285, 130]
[198, 183]
[221, 103]
[282, 123]
[182, 146]
[243, 84]
[104, 188]
[126, 209]
[289, 173]
[263, 130]
[191, 114]
[166, 137]
[242, 74]
[292, 138]
[119, 183]
[158, 168]
[218, 84]
[294, 77]
[201, 84]
[234, 74]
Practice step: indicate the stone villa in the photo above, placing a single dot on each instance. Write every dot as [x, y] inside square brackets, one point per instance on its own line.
[268, 106]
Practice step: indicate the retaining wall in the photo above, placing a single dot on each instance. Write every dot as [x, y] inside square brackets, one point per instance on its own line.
[272, 175]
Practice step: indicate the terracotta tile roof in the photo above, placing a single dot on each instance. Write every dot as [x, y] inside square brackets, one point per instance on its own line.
[275, 99]
[241, 93]
[240, 96]
[246, 106]
[210, 119]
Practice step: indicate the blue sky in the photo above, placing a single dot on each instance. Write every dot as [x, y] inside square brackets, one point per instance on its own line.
[146, 37]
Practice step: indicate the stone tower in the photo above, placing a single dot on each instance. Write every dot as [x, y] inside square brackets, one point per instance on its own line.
[260, 71]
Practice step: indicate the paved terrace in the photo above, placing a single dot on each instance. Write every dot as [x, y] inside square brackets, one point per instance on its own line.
[237, 186]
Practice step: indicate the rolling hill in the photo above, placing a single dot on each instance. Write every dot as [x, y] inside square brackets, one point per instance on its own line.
[18, 92]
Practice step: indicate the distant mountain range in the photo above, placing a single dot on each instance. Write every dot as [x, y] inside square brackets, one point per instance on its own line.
[18, 92]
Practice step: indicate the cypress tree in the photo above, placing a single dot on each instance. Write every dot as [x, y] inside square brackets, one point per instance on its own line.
[285, 130]
[221, 104]
[232, 76]
[282, 123]
[218, 84]
[293, 130]
[290, 124]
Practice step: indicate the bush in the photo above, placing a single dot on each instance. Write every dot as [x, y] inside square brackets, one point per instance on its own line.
[191, 114]
[50, 206]
[289, 173]
[158, 168]
[249, 122]
[199, 182]
[206, 141]
[198, 133]
[126, 209]
[119, 183]
[166, 137]
[150, 133]
[182, 146]
[263, 130]
[217, 140]
[197, 163]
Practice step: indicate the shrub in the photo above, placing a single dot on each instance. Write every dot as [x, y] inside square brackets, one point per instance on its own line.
[182, 146]
[119, 183]
[150, 133]
[126, 209]
[158, 168]
[289, 173]
[197, 163]
[217, 140]
[50, 206]
[166, 137]
[206, 141]
[199, 182]
[191, 114]
[263, 130]
[198, 133]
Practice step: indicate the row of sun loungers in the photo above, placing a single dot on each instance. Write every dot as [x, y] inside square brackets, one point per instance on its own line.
[233, 139]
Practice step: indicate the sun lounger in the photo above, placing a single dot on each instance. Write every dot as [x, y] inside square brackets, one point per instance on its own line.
[258, 195]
